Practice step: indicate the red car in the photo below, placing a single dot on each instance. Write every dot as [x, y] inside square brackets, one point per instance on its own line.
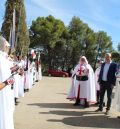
[57, 73]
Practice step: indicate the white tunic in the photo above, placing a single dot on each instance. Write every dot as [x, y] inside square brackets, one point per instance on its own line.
[6, 97]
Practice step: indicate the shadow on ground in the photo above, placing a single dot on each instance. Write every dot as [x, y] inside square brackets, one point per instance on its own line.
[86, 119]
[90, 121]
[79, 118]
[55, 105]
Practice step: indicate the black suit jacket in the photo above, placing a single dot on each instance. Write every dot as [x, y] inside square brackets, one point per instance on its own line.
[111, 79]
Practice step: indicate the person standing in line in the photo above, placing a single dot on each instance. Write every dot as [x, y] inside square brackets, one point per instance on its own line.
[6, 94]
[9, 81]
[117, 93]
[97, 72]
[107, 81]
[83, 84]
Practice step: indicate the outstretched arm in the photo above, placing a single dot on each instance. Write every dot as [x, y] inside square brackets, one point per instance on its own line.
[9, 81]
[74, 72]
[2, 85]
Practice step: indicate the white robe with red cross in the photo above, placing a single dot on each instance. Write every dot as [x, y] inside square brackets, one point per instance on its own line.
[83, 89]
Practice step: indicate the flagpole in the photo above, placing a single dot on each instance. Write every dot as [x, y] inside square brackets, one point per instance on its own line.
[17, 32]
[12, 32]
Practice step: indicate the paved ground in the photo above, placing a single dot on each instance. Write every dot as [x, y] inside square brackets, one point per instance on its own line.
[46, 107]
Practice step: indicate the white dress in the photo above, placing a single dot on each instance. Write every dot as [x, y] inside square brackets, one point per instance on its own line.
[6, 97]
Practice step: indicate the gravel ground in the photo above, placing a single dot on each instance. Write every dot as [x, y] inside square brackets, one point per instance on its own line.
[46, 107]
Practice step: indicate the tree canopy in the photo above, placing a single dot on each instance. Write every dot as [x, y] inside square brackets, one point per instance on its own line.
[22, 35]
[63, 45]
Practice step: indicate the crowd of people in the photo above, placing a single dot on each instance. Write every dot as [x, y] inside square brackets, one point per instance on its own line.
[17, 75]
[89, 87]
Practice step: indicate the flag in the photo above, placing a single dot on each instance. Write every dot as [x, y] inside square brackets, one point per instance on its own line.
[12, 32]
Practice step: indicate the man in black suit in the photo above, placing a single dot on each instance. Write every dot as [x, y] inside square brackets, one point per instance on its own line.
[107, 81]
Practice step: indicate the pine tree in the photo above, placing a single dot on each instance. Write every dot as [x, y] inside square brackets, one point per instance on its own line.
[22, 36]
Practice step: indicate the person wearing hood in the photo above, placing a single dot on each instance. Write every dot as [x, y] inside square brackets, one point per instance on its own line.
[6, 92]
[83, 84]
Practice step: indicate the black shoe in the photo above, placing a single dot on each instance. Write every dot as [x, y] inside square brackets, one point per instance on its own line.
[16, 104]
[26, 90]
[118, 117]
[107, 112]
[76, 104]
[86, 105]
[97, 103]
[103, 104]
[16, 101]
[99, 110]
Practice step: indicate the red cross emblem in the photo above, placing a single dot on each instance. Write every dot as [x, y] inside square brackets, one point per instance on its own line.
[81, 70]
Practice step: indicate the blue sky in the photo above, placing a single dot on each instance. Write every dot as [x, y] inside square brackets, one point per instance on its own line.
[98, 14]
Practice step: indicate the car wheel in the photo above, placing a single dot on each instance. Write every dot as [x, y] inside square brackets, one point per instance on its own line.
[63, 75]
[50, 75]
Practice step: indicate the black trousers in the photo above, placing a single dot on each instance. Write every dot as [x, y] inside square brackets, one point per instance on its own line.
[104, 86]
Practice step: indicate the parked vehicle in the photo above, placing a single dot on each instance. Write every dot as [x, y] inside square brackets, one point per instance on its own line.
[57, 73]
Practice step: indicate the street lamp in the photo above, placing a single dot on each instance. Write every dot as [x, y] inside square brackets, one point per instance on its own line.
[84, 46]
[99, 50]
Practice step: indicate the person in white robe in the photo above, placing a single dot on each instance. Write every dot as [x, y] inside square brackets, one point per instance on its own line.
[16, 79]
[34, 72]
[117, 93]
[97, 72]
[28, 74]
[40, 71]
[83, 84]
[31, 73]
[21, 78]
[16, 83]
[9, 81]
[6, 94]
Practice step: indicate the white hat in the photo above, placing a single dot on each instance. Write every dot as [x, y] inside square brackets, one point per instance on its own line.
[2, 42]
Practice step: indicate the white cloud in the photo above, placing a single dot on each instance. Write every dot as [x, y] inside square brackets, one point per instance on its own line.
[49, 6]
[97, 12]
